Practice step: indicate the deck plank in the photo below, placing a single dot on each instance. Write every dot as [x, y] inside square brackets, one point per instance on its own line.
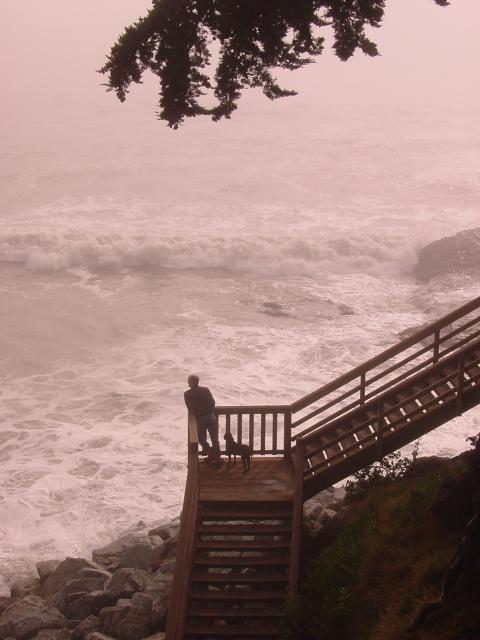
[270, 479]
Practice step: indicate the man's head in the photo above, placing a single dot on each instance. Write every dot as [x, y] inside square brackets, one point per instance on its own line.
[193, 381]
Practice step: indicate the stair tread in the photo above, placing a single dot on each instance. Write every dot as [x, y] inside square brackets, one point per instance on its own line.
[270, 514]
[244, 529]
[235, 612]
[229, 596]
[230, 578]
[232, 630]
[242, 545]
[242, 562]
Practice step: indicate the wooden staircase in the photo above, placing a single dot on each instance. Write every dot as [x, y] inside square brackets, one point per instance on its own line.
[240, 536]
[240, 576]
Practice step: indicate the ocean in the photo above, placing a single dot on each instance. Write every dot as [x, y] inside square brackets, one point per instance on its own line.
[267, 264]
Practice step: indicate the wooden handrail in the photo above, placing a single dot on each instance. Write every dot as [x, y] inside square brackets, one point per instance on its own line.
[418, 336]
[178, 600]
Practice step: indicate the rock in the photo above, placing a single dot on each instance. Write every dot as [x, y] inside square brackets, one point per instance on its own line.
[25, 587]
[459, 253]
[166, 531]
[46, 568]
[125, 582]
[73, 590]
[142, 555]
[26, 617]
[65, 573]
[86, 627]
[5, 602]
[89, 604]
[109, 555]
[127, 621]
[54, 634]
[99, 636]
[158, 585]
[156, 636]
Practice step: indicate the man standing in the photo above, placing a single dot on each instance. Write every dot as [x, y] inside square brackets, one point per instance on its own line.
[201, 403]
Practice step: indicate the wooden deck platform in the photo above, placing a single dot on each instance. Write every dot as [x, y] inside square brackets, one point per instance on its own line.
[270, 479]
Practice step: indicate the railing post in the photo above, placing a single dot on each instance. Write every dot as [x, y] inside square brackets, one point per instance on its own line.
[436, 344]
[362, 387]
[380, 421]
[297, 519]
[460, 384]
[287, 434]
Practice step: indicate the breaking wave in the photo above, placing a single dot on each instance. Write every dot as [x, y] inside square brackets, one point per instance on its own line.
[264, 255]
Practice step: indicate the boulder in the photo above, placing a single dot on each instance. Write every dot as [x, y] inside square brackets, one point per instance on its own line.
[128, 621]
[73, 590]
[99, 636]
[142, 555]
[459, 253]
[109, 555]
[5, 602]
[65, 573]
[54, 634]
[86, 627]
[157, 636]
[158, 585]
[26, 617]
[125, 582]
[46, 568]
[89, 604]
[25, 587]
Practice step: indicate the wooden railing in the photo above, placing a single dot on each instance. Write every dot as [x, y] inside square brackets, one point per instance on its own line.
[178, 600]
[377, 375]
[271, 429]
[297, 521]
[266, 429]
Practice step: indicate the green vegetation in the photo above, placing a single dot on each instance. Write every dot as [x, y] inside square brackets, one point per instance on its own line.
[389, 557]
[176, 41]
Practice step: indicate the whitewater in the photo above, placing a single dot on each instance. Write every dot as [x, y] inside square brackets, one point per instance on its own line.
[268, 269]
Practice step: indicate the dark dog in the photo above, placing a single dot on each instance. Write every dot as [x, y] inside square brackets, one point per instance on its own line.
[234, 449]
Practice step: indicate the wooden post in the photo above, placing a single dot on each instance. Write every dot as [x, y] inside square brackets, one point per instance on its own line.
[436, 345]
[297, 520]
[380, 430]
[362, 387]
[287, 434]
[460, 384]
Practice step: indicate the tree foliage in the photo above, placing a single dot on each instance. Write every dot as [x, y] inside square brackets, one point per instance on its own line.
[247, 39]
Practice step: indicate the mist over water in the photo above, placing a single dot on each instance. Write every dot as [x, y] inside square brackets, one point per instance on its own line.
[268, 254]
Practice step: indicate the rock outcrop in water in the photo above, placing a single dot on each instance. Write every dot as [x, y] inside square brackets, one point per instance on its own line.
[122, 594]
[455, 254]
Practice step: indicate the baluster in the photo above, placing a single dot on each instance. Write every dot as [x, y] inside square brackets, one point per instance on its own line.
[239, 428]
[227, 423]
[460, 385]
[287, 434]
[274, 432]
[380, 421]
[436, 344]
[251, 431]
[262, 433]
[362, 387]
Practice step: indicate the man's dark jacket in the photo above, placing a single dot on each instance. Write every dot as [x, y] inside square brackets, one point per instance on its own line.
[199, 401]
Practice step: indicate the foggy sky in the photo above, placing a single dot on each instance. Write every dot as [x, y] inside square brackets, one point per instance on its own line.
[50, 50]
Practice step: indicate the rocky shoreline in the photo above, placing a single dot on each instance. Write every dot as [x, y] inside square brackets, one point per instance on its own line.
[121, 593]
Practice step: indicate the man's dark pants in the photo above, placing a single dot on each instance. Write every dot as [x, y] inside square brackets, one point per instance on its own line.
[208, 423]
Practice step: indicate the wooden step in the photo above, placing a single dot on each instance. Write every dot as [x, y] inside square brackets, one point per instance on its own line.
[243, 578]
[242, 545]
[238, 631]
[234, 612]
[238, 596]
[244, 529]
[212, 515]
[243, 562]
